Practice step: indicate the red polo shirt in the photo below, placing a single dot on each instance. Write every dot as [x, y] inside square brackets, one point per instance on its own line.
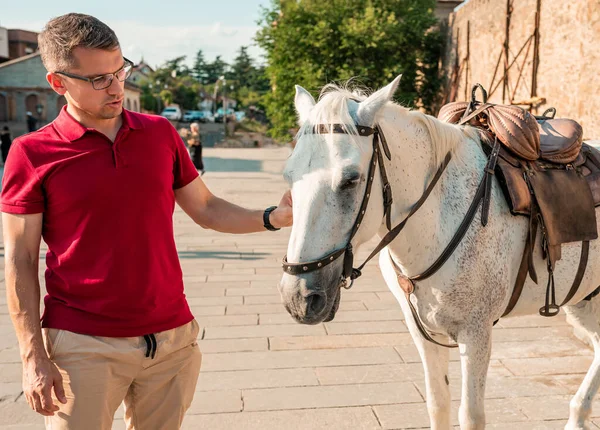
[112, 266]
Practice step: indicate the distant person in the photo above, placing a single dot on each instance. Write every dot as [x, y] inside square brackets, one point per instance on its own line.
[31, 122]
[195, 144]
[5, 142]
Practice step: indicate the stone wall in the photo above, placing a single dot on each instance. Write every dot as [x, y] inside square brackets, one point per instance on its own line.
[568, 76]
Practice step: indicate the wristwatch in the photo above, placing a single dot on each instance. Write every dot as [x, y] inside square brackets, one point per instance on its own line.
[266, 221]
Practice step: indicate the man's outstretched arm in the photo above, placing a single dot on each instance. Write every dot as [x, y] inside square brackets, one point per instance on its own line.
[212, 212]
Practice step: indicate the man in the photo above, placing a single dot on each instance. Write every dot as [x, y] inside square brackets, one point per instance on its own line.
[31, 122]
[99, 185]
[5, 142]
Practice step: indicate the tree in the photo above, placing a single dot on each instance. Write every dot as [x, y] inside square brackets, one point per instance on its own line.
[216, 69]
[242, 69]
[171, 83]
[199, 68]
[312, 43]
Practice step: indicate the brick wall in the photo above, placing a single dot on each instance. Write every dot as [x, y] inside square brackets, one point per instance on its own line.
[568, 76]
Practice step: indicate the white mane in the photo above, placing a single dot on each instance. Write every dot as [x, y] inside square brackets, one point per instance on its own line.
[333, 108]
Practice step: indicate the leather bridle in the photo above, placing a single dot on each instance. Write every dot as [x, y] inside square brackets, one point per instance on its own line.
[379, 145]
[349, 271]
[482, 195]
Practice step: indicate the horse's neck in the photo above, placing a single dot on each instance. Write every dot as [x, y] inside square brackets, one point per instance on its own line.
[412, 169]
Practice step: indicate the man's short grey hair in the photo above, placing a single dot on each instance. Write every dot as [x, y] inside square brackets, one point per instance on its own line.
[65, 33]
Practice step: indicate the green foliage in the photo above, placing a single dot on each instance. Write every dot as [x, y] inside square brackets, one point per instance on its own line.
[175, 82]
[312, 43]
[216, 69]
[199, 68]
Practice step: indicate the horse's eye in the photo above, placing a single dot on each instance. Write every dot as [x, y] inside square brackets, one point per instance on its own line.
[350, 183]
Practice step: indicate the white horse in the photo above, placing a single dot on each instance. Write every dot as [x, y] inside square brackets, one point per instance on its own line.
[327, 173]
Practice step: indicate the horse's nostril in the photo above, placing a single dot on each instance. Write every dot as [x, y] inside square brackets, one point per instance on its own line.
[315, 303]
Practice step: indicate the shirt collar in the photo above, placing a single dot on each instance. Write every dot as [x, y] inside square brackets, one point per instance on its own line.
[72, 129]
[68, 126]
[131, 120]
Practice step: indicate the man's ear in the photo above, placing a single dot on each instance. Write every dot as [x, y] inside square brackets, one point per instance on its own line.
[56, 83]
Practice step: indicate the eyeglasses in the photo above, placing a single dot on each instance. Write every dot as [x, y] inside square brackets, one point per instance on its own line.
[104, 81]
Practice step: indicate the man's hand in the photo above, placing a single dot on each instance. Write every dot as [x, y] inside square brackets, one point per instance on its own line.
[283, 216]
[40, 376]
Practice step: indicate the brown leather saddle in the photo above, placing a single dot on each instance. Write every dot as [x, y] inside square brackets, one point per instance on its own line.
[546, 173]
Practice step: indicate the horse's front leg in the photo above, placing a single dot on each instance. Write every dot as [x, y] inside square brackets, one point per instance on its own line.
[475, 345]
[435, 366]
[434, 358]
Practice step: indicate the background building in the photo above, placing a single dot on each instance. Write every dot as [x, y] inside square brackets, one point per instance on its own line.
[532, 53]
[23, 85]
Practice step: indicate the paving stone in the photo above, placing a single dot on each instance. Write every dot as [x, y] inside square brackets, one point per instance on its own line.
[533, 321]
[561, 347]
[360, 418]
[345, 315]
[10, 391]
[11, 372]
[551, 407]
[233, 345]
[262, 378]
[357, 295]
[353, 312]
[531, 333]
[330, 396]
[10, 355]
[338, 341]
[269, 309]
[187, 279]
[368, 374]
[262, 331]
[378, 304]
[298, 359]
[214, 301]
[279, 318]
[252, 291]
[530, 425]
[206, 290]
[548, 365]
[415, 415]
[273, 278]
[363, 327]
[227, 320]
[207, 310]
[263, 300]
[212, 402]
[18, 414]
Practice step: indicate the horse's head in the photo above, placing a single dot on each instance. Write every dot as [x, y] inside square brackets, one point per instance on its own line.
[328, 173]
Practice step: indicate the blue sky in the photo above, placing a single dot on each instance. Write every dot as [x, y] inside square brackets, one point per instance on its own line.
[153, 30]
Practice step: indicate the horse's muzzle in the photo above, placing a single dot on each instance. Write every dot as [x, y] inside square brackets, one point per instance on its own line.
[308, 306]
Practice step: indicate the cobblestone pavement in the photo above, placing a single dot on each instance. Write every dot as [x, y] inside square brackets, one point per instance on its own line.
[261, 370]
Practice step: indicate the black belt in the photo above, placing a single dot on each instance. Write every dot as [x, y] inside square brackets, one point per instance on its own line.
[150, 345]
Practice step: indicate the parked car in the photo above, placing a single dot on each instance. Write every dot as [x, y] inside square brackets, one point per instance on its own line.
[172, 112]
[240, 115]
[208, 116]
[220, 113]
[194, 115]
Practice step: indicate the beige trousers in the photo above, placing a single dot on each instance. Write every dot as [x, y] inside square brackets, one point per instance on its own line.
[101, 372]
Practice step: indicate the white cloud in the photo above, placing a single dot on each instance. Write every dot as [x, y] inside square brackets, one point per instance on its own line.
[158, 44]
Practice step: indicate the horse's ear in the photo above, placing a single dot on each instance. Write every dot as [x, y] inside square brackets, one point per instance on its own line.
[304, 103]
[368, 108]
